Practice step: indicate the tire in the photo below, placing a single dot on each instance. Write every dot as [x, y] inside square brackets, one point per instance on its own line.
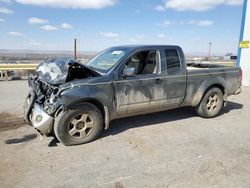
[79, 124]
[211, 103]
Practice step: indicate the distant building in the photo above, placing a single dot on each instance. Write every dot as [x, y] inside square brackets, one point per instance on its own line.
[230, 57]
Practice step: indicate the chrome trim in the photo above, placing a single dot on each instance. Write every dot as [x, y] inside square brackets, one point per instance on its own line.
[45, 125]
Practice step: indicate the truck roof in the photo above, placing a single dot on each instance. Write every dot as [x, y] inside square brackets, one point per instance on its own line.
[146, 46]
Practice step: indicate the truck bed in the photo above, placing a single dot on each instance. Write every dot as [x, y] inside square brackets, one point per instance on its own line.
[198, 66]
[201, 75]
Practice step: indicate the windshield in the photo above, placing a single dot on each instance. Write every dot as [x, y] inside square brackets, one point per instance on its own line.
[104, 61]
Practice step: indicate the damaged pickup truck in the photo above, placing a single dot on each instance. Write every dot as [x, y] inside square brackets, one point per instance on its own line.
[76, 102]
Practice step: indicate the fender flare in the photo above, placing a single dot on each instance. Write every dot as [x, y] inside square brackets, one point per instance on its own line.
[104, 109]
[213, 82]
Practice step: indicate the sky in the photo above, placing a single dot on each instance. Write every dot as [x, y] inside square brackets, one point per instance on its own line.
[98, 24]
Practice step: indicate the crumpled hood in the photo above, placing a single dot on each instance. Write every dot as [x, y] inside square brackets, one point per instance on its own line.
[58, 71]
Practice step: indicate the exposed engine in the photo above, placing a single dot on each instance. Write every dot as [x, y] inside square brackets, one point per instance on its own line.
[51, 75]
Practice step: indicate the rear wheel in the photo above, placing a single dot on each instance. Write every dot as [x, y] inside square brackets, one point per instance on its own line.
[79, 124]
[211, 103]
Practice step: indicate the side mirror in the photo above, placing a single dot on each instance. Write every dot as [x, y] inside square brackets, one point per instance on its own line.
[129, 72]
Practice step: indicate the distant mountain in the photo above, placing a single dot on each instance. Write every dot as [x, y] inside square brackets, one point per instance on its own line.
[91, 53]
[6, 51]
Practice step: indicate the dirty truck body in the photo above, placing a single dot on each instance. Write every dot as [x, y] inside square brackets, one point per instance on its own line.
[76, 102]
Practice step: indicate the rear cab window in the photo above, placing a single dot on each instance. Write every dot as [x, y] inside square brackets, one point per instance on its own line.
[173, 61]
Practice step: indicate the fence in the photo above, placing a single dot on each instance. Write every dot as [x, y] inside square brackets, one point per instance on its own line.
[4, 68]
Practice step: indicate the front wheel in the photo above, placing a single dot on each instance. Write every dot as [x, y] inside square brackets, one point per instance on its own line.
[79, 124]
[211, 103]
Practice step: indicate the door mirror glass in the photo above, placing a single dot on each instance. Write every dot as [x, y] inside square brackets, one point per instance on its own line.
[129, 72]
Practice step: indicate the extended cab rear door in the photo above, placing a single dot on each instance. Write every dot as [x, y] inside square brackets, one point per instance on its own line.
[176, 76]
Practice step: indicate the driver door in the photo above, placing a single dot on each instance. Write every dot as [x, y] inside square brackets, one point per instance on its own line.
[144, 91]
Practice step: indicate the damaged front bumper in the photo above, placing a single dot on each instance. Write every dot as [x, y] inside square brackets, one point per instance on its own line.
[35, 115]
[41, 121]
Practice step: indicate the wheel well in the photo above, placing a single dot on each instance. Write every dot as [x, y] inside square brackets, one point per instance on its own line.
[98, 104]
[218, 86]
[92, 101]
[103, 109]
[201, 93]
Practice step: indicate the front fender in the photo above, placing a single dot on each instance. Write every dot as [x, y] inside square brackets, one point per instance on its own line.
[100, 95]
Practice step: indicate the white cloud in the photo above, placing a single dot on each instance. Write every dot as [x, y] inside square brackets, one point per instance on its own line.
[161, 35]
[234, 2]
[196, 5]
[160, 8]
[37, 21]
[66, 26]
[165, 23]
[34, 43]
[49, 28]
[2, 20]
[109, 34]
[74, 4]
[5, 10]
[14, 33]
[203, 23]
[133, 40]
[140, 36]
[195, 39]
[5, 1]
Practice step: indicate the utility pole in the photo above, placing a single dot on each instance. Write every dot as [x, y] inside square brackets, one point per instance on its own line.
[209, 50]
[75, 55]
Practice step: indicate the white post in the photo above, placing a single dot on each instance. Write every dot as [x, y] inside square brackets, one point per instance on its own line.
[244, 46]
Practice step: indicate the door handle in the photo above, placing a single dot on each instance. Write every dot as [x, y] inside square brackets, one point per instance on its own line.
[158, 81]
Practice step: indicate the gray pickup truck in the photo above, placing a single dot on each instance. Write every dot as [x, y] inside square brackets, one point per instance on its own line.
[76, 102]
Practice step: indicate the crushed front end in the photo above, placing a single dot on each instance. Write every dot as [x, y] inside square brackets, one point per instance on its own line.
[44, 98]
[38, 109]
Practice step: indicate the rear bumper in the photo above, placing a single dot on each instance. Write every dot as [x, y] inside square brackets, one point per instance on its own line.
[35, 116]
[239, 90]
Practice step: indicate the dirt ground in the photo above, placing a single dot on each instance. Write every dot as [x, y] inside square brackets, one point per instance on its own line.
[168, 149]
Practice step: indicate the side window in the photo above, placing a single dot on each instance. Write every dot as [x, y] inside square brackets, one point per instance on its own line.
[173, 61]
[144, 62]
